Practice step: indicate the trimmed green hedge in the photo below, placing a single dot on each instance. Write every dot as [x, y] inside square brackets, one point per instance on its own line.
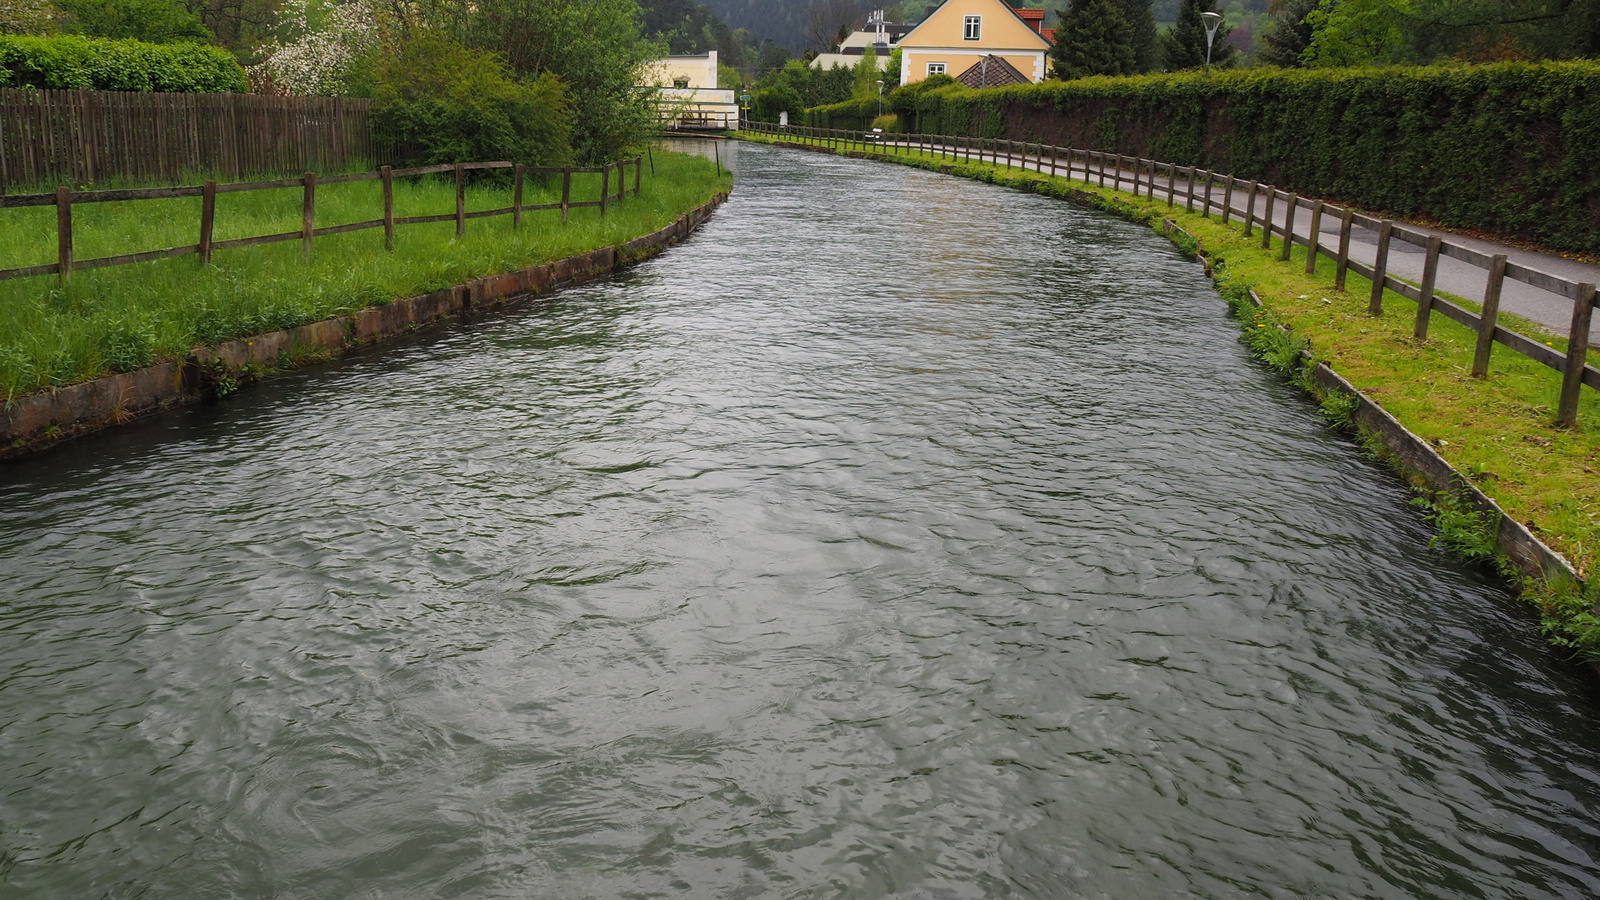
[1509, 148]
[855, 115]
[72, 62]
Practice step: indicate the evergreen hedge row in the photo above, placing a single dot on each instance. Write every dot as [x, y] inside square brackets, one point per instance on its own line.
[1508, 148]
[72, 62]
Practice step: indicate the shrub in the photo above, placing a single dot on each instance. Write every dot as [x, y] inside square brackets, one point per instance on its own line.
[442, 103]
[71, 62]
[1512, 148]
[769, 103]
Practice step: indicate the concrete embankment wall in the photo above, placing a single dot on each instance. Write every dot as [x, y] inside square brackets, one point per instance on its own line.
[40, 420]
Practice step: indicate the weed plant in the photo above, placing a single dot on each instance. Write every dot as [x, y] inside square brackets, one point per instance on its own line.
[123, 317]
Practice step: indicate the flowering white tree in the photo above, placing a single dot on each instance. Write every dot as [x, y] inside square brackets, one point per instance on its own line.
[316, 61]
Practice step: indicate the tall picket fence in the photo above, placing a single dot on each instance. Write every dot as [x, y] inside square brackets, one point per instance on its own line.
[91, 137]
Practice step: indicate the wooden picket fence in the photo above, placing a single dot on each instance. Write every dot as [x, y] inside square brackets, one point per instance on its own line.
[1152, 177]
[65, 198]
[89, 137]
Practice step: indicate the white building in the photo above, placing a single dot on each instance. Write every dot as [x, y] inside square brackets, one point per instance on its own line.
[687, 93]
[880, 35]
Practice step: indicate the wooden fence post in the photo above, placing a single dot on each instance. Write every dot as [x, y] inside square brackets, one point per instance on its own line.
[605, 185]
[208, 218]
[64, 233]
[1380, 267]
[461, 200]
[1491, 312]
[1314, 238]
[1288, 227]
[1188, 196]
[1345, 219]
[386, 174]
[1430, 273]
[566, 192]
[1266, 218]
[1172, 183]
[638, 175]
[1250, 209]
[1577, 356]
[1227, 201]
[1054, 151]
[308, 213]
[516, 196]
[1205, 203]
[622, 180]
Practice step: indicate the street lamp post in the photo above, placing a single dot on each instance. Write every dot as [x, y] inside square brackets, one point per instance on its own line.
[880, 98]
[1212, 20]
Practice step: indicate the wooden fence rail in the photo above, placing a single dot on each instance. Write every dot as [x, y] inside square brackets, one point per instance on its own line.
[1091, 165]
[65, 198]
[89, 137]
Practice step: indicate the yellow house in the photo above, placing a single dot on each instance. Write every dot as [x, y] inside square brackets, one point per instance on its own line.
[960, 33]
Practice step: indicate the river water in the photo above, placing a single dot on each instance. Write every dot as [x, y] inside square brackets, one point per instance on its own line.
[896, 536]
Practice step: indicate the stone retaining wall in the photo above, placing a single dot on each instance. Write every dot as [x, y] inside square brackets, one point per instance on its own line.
[40, 420]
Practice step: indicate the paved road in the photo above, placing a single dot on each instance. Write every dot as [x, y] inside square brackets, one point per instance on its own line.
[1405, 260]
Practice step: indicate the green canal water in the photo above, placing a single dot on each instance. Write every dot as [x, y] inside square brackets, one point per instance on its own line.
[897, 536]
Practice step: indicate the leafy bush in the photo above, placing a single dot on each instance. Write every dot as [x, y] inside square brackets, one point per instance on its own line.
[71, 62]
[855, 115]
[157, 21]
[443, 103]
[769, 103]
[1512, 148]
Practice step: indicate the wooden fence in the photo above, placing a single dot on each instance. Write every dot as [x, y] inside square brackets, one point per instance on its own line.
[64, 198]
[1148, 177]
[88, 137]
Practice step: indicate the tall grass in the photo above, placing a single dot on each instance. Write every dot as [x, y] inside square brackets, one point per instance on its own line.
[124, 317]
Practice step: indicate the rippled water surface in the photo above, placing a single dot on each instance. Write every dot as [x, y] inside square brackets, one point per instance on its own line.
[896, 536]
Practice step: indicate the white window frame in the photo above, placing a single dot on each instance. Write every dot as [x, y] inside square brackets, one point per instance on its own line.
[936, 68]
[972, 28]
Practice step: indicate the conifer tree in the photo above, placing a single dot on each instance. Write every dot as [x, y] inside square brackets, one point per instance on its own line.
[1094, 38]
[1183, 46]
[1141, 16]
[1288, 35]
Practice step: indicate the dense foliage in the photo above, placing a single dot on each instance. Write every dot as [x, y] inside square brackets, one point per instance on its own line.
[593, 46]
[157, 21]
[1512, 148]
[441, 102]
[797, 87]
[73, 62]
[1094, 38]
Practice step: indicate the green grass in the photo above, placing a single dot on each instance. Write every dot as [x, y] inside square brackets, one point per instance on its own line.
[1497, 431]
[124, 317]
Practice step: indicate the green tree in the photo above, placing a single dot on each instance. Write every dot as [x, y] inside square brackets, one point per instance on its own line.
[593, 46]
[1356, 32]
[866, 76]
[1183, 46]
[1288, 34]
[445, 103]
[1094, 38]
[154, 21]
[1380, 32]
[1142, 19]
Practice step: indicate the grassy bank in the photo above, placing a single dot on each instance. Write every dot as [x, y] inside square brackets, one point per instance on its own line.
[1497, 431]
[125, 317]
